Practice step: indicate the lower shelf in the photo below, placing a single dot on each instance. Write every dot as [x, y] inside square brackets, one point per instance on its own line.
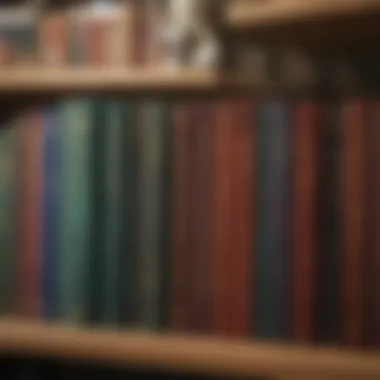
[185, 354]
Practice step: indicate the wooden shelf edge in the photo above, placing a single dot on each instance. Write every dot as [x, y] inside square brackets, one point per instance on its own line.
[178, 353]
[40, 80]
[242, 15]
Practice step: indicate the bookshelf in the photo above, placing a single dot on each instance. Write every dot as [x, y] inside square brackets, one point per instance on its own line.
[264, 14]
[36, 80]
[170, 352]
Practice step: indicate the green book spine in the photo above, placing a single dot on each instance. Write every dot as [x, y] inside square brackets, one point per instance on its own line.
[113, 215]
[7, 227]
[149, 215]
[95, 283]
[129, 262]
[75, 209]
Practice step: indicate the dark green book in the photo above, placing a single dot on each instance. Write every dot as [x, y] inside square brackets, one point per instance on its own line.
[75, 209]
[153, 211]
[8, 185]
[112, 294]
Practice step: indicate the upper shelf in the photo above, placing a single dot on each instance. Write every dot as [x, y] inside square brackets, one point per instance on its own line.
[190, 354]
[46, 80]
[324, 17]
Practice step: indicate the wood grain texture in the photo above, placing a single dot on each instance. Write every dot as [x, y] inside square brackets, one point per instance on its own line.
[353, 221]
[189, 354]
[305, 248]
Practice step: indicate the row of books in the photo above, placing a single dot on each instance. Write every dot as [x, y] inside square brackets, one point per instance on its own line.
[98, 33]
[226, 217]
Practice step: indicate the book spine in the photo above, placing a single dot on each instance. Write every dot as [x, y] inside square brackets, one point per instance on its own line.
[150, 218]
[353, 169]
[372, 260]
[98, 117]
[54, 38]
[272, 273]
[113, 217]
[202, 213]
[75, 210]
[181, 281]
[305, 192]
[52, 151]
[221, 261]
[8, 187]
[243, 196]
[30, 179]
[329, 229]
[130, 230]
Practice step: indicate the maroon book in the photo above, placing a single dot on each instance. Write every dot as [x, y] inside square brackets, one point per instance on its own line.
[372, 205]
[30, 212]
[182, 244]
[353, 197]
[305, 197]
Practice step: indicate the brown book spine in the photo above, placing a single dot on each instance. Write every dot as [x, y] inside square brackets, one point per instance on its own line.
[54, 38]
[353, 221]
[242, 210]
[221, 261]
[140, 32]
[181, 282]
[30, 213]
[305, 216]
[372, 258]
[202, 211]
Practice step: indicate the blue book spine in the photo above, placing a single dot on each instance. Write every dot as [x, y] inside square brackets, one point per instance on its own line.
[51, 206]
[273, 255]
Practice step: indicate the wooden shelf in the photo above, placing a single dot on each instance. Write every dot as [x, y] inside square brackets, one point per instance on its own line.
[41, 81]
[176, 353]
[274, 12]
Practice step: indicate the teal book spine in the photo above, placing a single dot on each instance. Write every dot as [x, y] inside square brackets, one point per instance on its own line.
[112, 248]
[7, 222]
[75, 209]
[150, 214]
[130, 200]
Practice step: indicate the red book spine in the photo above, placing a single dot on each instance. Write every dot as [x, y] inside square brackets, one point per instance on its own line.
[305, 215]
[181, 283]
[353, 221]
[30, 176]
[372, 259]
[241, 251]
[202, 211]
[221, 261]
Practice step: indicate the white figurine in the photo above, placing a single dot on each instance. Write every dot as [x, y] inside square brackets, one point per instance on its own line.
[189, 37]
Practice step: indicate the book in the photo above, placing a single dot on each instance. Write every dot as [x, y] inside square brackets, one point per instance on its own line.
[30, 177]
[8, 187]
[307, 117]
[272, 264]
[112, 249]
[18, 33]
[53, 130]
[180, 311]
[329, 228]
[353, 219]
[372, 211]
[222, 256]
[243, 191]
[151, 211]
[74, 252]
[131, 198]
[54, 34]
[202, 212]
